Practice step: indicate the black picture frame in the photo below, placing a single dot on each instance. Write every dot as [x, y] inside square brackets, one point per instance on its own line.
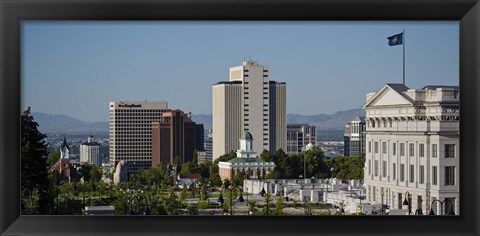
[13, 12]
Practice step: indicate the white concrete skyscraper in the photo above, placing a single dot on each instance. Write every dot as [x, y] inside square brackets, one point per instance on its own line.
[249, 101]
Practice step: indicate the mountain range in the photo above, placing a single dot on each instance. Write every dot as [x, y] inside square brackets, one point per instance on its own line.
[63, 124]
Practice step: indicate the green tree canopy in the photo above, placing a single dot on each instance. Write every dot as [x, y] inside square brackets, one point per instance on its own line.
[266, 156]
[238, 178]
[34, 167]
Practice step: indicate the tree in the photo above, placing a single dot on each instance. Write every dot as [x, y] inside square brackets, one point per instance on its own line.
[266, 156]
[204, 169]
[172, 204]
[53, 158]
[252, 208]
[34, 167]
[238, 178]
[315, 163]
[279, 206]
[268, 202]
[183, 194]
[30, 203]
[96, 173]
[85, 171]
[192, 209]
[227, 157]
[194, 162]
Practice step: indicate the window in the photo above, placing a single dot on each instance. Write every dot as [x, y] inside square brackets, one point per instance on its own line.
[384, 148]
[402, 172]
[434, 175]
[375, 146]
[394, 171]
[434, 150]
[412, 173]
[394, 149]
[376, 167]
[369, 167]
[422, 174]
[411, 149]
[421, 150]
[370, 146]
[374, 193]
[449, 175]
[384, 169]
[449, 150]
[402, 149]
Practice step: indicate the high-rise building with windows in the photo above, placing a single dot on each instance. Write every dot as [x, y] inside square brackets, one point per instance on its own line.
[209, 145]
[354, 137]
[249, 101]
[90, 152]
[299, 136]
[412, 147]
[176, 136]
[131, 132]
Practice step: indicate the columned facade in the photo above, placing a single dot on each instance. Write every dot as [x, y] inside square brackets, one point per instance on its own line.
[412, 145]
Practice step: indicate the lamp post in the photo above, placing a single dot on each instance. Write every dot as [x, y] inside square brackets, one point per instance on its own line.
[263, 193]
[382, 203]
[407, 202]
[451, 212]
[92, 193]
[240, 199]
[139, 199]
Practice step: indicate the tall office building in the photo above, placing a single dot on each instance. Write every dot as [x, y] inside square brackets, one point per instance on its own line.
[354, 137]
[176, 136]
[249, 101]
[413, 152]
[209, 145]
[131, 132]
[90, 152]
[299, 136]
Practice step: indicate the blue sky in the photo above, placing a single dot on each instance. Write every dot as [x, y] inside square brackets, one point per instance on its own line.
[76, 68]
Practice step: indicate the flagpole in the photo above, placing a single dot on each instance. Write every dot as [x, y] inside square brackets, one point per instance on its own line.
[403, 42]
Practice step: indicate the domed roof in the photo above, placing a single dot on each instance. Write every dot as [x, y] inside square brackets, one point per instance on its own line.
[246, 135]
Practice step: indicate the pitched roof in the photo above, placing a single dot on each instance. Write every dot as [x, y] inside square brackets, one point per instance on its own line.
[191, 176]
[244, 160]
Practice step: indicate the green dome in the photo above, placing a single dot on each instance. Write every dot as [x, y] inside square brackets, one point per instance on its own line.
[247, 135]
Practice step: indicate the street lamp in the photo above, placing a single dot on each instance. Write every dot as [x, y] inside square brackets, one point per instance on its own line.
[451, 212]
[407, 202]
[240, 199]
[382, 194]
[139, 199]
[263, 193]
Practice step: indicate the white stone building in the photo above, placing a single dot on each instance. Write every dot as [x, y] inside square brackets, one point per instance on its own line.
[131, 132]
[90, 152]
[249, 101]
[412, 138]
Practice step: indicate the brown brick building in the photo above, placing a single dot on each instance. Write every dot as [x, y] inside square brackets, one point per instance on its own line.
[177, 135]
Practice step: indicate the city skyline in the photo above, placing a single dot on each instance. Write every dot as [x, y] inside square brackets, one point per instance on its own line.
[76, 68]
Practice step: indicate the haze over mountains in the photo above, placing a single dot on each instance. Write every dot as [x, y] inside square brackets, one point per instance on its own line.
[63, 124]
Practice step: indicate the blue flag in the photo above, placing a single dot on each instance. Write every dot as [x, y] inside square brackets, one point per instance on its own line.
[395, 40]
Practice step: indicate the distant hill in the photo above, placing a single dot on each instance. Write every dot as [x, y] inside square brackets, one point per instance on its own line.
[63, 124]
[48, 123]
[334, 121]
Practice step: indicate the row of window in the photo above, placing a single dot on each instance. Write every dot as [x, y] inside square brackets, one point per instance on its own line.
[385, 123]
[449, 173]
[449, 149]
